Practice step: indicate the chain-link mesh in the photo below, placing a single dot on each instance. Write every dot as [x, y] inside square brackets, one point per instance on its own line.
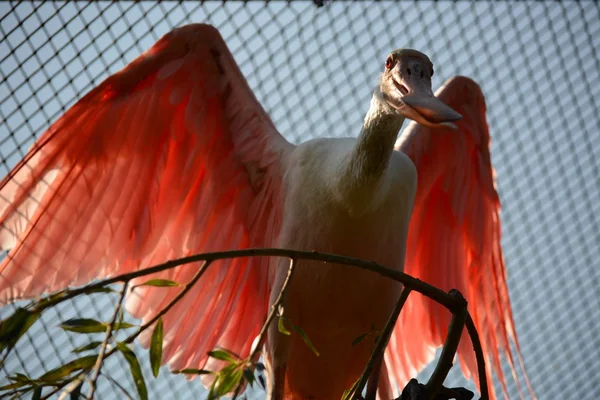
[314, 70]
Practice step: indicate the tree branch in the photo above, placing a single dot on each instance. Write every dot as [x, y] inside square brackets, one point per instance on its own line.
[274, 310]
[104, 345]
[444, 364]
[256, 350]
[483, 383]
[382, 342]
[145, 326]
[186, 288]
[73, 386]
[453, 303]
[430, 291]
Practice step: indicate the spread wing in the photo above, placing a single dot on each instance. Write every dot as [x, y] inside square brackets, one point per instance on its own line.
[171, 156]
[454, 241]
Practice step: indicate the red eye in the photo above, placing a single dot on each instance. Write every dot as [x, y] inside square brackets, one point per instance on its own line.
[389, 62]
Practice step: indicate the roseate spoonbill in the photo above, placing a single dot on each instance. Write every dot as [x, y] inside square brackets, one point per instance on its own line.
[173, 155]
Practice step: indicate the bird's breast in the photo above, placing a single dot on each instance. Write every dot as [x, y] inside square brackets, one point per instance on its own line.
[335, 303]
[342, 293]
[314, 220]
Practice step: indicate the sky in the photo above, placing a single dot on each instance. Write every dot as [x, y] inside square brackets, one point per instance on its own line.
[314, 70]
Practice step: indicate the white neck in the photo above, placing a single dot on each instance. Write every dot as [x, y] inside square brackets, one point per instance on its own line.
[361, 173]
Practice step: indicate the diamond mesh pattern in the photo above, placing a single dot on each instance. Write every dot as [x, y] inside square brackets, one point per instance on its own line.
[314, 69]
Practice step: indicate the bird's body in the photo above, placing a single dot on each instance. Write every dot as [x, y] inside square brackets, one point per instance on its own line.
[334, 304]
[174, 156]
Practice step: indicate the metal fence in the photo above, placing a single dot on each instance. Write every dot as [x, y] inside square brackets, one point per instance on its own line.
[313, 68]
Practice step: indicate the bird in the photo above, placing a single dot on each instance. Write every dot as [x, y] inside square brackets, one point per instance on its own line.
[174, 155]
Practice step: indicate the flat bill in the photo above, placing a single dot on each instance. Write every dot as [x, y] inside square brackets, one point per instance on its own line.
[431, 109]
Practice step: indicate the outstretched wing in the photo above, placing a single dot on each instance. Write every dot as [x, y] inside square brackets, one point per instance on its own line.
[171, 156]
[454, 240]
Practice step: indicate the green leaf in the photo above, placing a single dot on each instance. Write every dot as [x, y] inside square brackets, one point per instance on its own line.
[89, 346]
[156, 347]
[19, 380]
[12, 386]
[86, 325]
[359, 338]
[83, 325]
[78, 364]
[136, 370]
[18, 377]
[231, 381]
[37, 393]
[281, 326]
[223, 355]
[159, 283]
[347, 395]
[249, 376]
[306, 339]
[123, 325]
[226, 381]
[100, 290]
[192, 371]
[15, 326]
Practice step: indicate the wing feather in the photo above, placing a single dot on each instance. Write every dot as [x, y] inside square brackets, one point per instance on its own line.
[454, 242]
[171, 156]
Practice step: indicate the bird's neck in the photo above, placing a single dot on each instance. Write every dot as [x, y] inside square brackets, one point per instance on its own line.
[371, 154]
[363, 170]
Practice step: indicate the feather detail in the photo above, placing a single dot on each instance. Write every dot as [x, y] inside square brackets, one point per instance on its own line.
[454, 242]
[152, 165]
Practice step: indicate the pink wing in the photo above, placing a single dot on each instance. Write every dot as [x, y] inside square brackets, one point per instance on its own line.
[454, 241]
[169, 157]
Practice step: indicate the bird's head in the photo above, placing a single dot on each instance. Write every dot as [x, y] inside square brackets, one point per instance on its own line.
[405, 85]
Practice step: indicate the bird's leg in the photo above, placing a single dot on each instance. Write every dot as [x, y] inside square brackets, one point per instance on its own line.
[374, 379]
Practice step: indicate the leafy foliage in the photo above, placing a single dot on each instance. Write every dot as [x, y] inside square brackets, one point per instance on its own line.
[282, 329]
[90, 346]
[156, 344]
[234, 375]
[15, 326]
[362, 336]
[83, 363]
[86, 325]
[136, 370]
[57, 377]
[158, 283]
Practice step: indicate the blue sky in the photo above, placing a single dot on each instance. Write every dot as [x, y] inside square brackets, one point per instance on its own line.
[314, 69]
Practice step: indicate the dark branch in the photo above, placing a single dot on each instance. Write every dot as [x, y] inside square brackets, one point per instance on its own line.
[430, 291]
[450, 346]
[453, 302]
[253, 358]
[483, 383]
[107, 337]
[382, 342]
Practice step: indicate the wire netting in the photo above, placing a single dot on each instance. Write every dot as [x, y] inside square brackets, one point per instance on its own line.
[314, 68]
